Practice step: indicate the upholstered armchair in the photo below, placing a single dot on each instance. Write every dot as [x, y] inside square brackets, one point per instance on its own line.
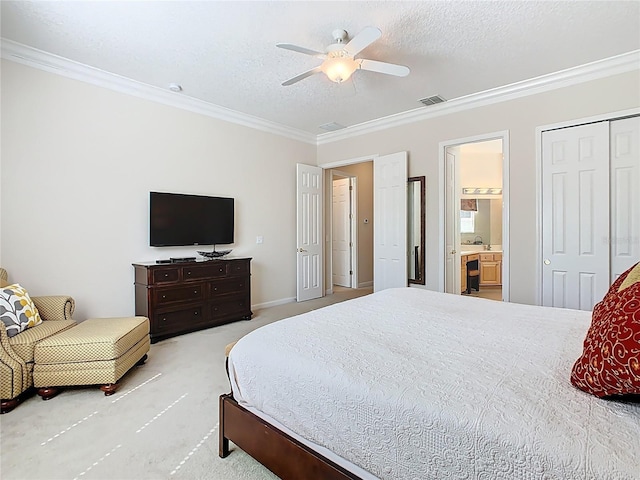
[16, 352]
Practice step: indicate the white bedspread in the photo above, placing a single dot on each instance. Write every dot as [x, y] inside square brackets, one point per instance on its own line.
[412, 384]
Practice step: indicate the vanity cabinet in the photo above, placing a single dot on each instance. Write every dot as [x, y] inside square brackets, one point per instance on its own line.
[491, 269]
[187, 296]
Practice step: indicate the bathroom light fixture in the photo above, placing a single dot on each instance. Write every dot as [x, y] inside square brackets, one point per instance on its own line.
[174, 87]
[481, 191]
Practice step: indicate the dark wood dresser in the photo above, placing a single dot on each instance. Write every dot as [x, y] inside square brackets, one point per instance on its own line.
[187, 296]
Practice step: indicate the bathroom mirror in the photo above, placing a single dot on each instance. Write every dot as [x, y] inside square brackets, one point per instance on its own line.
[482, 226]
[416, 229]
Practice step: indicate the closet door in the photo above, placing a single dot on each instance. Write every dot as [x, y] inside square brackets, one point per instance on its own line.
[575, 216]
[625, 195]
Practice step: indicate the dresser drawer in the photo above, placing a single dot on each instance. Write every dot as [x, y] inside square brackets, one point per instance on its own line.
[176, 321]
[198, 272]
[165, 275]
[230, 285]
[230, 307]
[178, 294]
[238, 267]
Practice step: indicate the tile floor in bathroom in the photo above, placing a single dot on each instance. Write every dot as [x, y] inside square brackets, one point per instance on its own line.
[492, 293]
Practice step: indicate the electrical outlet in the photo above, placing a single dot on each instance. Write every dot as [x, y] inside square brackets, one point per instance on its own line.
[259, 239]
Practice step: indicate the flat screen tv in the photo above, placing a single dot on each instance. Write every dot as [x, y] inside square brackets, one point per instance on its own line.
[177, 219]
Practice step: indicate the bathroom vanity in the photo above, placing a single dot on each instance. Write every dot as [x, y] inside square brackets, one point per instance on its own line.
[489, 262]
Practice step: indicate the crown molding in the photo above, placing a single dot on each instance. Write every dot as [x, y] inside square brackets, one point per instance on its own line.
[618, 64]
[41, 60]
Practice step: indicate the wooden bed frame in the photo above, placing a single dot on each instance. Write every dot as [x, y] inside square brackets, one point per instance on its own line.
[285, 456]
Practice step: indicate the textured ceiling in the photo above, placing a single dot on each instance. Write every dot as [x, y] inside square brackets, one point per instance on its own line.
[224, 52]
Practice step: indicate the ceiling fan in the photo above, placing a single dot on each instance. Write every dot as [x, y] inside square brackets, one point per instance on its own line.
[339, 62]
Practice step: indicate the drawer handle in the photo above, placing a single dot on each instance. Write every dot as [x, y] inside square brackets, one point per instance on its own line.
[166, 275]
[215, 309]
[195, 292]
[195, 313]
[221, 269]
[215, 289]
[241, 285]
[189, 272]
[164, 296]
[164, 319]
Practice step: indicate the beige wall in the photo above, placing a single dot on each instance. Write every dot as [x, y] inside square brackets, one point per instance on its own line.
[480, 170]
[78, 162]
[364, 174]
[520, 117]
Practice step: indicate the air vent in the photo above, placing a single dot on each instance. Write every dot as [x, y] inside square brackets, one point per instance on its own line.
[433, 100]
[332, 127]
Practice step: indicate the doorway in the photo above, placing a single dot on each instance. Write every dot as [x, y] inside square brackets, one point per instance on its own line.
[382, 220]
[474, 230]
[359, 255]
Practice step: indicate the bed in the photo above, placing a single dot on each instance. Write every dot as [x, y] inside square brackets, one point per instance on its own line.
[408, 383]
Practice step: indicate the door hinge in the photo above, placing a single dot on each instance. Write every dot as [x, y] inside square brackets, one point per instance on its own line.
[350, 187]
[350, 272]
[351, 244]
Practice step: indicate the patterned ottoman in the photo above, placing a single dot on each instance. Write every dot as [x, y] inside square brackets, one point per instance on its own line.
[98, 351]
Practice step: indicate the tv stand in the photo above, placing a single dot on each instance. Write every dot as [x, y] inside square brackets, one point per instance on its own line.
[187, 296]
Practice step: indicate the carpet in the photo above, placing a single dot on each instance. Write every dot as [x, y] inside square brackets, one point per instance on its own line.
[162, 423]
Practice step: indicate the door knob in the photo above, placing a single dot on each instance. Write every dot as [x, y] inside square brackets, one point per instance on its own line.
[301, 250]
[547, 261]
[453, 252]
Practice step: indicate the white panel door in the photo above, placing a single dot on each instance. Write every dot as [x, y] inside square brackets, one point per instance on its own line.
[341, 235]
[625, 194]
[390, 221]
[452, 221]
[309, 231]
[575, 216]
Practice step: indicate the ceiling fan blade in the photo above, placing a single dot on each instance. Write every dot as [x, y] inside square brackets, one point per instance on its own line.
[383, 67]
[296, 48]
[362, 40]
[302, 76]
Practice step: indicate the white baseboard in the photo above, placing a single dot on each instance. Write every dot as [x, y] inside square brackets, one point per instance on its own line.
[273, 303]
[365, 284]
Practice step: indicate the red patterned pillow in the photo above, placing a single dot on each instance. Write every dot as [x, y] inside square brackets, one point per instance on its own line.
[610, 361]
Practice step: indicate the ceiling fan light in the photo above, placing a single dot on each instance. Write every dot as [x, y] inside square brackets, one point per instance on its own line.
[339, 69]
